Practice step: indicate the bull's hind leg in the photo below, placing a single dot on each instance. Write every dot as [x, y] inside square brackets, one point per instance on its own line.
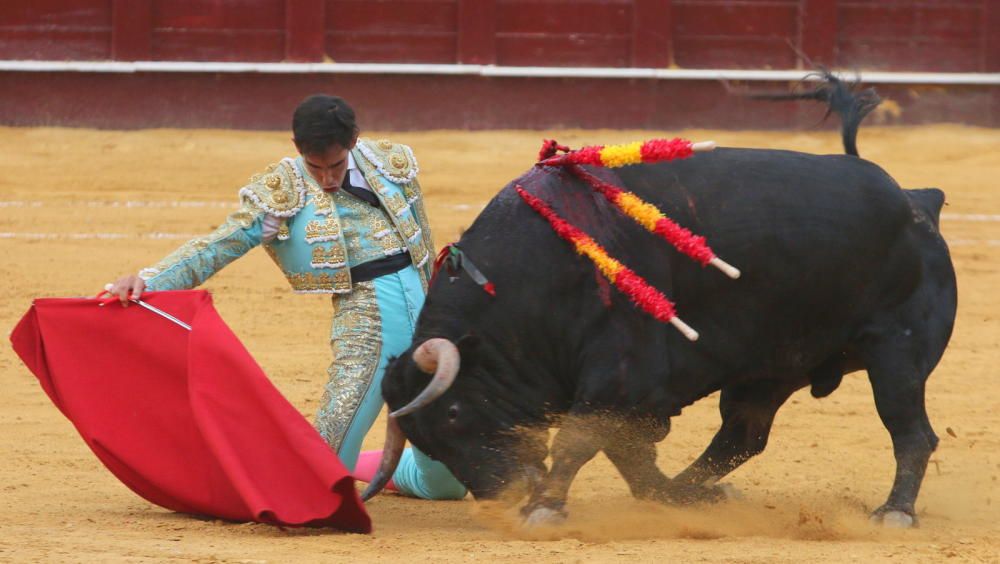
[632, 449]
[900, 349]
[898, 384]
[748, 411]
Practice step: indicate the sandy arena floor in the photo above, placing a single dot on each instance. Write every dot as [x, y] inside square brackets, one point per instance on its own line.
[79, 207]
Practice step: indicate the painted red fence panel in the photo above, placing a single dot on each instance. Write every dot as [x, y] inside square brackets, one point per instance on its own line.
[713, 34]
[940, 35]
[554, 33]
[233, 30]
[911, 35]
[863, 35]
[55, 29]
[392, 31]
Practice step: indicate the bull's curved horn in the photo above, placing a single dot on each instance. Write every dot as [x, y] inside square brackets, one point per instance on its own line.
[391, 453]
[441, 357]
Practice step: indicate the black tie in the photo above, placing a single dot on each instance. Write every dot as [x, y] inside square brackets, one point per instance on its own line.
[360, 193]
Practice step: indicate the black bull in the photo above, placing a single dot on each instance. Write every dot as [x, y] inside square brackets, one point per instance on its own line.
[842, 271]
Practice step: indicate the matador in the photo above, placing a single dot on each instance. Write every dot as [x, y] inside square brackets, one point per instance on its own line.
[344, 218]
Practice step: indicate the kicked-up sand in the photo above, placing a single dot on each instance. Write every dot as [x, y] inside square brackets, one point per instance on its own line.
[80, 207]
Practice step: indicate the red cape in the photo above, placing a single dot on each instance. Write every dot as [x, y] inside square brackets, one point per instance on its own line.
[186, 419]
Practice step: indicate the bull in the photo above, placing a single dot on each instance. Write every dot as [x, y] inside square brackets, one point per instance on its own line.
[842, 271]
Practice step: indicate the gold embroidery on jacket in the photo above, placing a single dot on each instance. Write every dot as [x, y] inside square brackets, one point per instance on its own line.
[283, 233]
[371, 244]
[321, 200]
[328, 257]
[337, 282]
[367, 163]
[187, 267]
[379, 226]
[396, 204]
[356, 343]
[409, 227]
[318, 231]
[278, 190]
[394, 161]
[391, 246]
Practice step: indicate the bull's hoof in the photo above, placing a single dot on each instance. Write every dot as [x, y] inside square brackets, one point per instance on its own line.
[542, 517]
[894, 518]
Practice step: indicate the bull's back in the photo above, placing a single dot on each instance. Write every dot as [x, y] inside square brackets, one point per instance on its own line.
[784, 200]
[822, 242]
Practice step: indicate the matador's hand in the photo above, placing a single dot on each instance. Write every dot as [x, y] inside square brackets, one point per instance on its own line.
[121, 288]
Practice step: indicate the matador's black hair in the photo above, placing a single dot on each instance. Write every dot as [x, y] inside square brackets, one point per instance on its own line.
[322, 121]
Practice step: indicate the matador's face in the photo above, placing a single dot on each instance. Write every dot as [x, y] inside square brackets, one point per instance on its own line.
[329, 167]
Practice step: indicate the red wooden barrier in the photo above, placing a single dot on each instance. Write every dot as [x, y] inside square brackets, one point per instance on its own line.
[305, 25]
[391, 31]
[652, 42]
[477, 32]
[818, 31]
[915, 35]
[251, 101]
[942, 35]
[898, 35]
[131, 30]
[233, 30]
[55, 29]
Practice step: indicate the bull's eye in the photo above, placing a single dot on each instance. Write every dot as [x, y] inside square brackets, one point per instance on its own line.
[453, 412]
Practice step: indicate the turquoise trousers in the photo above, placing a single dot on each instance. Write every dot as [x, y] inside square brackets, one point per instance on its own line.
[372, 324]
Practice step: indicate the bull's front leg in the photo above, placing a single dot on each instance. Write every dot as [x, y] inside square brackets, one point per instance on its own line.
[573, 446]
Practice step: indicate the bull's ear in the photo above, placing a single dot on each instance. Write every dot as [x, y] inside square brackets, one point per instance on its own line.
[468, 343]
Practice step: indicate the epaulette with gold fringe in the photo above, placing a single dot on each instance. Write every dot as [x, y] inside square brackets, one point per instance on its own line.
[279, 190]
[394, 161]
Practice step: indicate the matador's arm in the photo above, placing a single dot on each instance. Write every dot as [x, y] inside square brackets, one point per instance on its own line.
[272, 193]
[198, 259]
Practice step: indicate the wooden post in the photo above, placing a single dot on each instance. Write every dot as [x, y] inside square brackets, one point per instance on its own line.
[991, 54]
[477, 32]
[305, 27]
[991, 37]
[818, 31]
[131, 30]
[652, 34]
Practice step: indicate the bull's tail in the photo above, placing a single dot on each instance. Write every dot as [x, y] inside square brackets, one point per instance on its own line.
[842, 98]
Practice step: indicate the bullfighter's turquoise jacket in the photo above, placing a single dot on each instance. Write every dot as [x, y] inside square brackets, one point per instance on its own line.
[320, 235]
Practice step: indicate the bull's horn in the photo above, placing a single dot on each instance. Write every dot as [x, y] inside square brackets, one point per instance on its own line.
[391, 453]
[441, 357]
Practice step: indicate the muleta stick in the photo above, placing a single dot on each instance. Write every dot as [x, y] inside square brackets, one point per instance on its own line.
[154, 309]
[642, 294]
